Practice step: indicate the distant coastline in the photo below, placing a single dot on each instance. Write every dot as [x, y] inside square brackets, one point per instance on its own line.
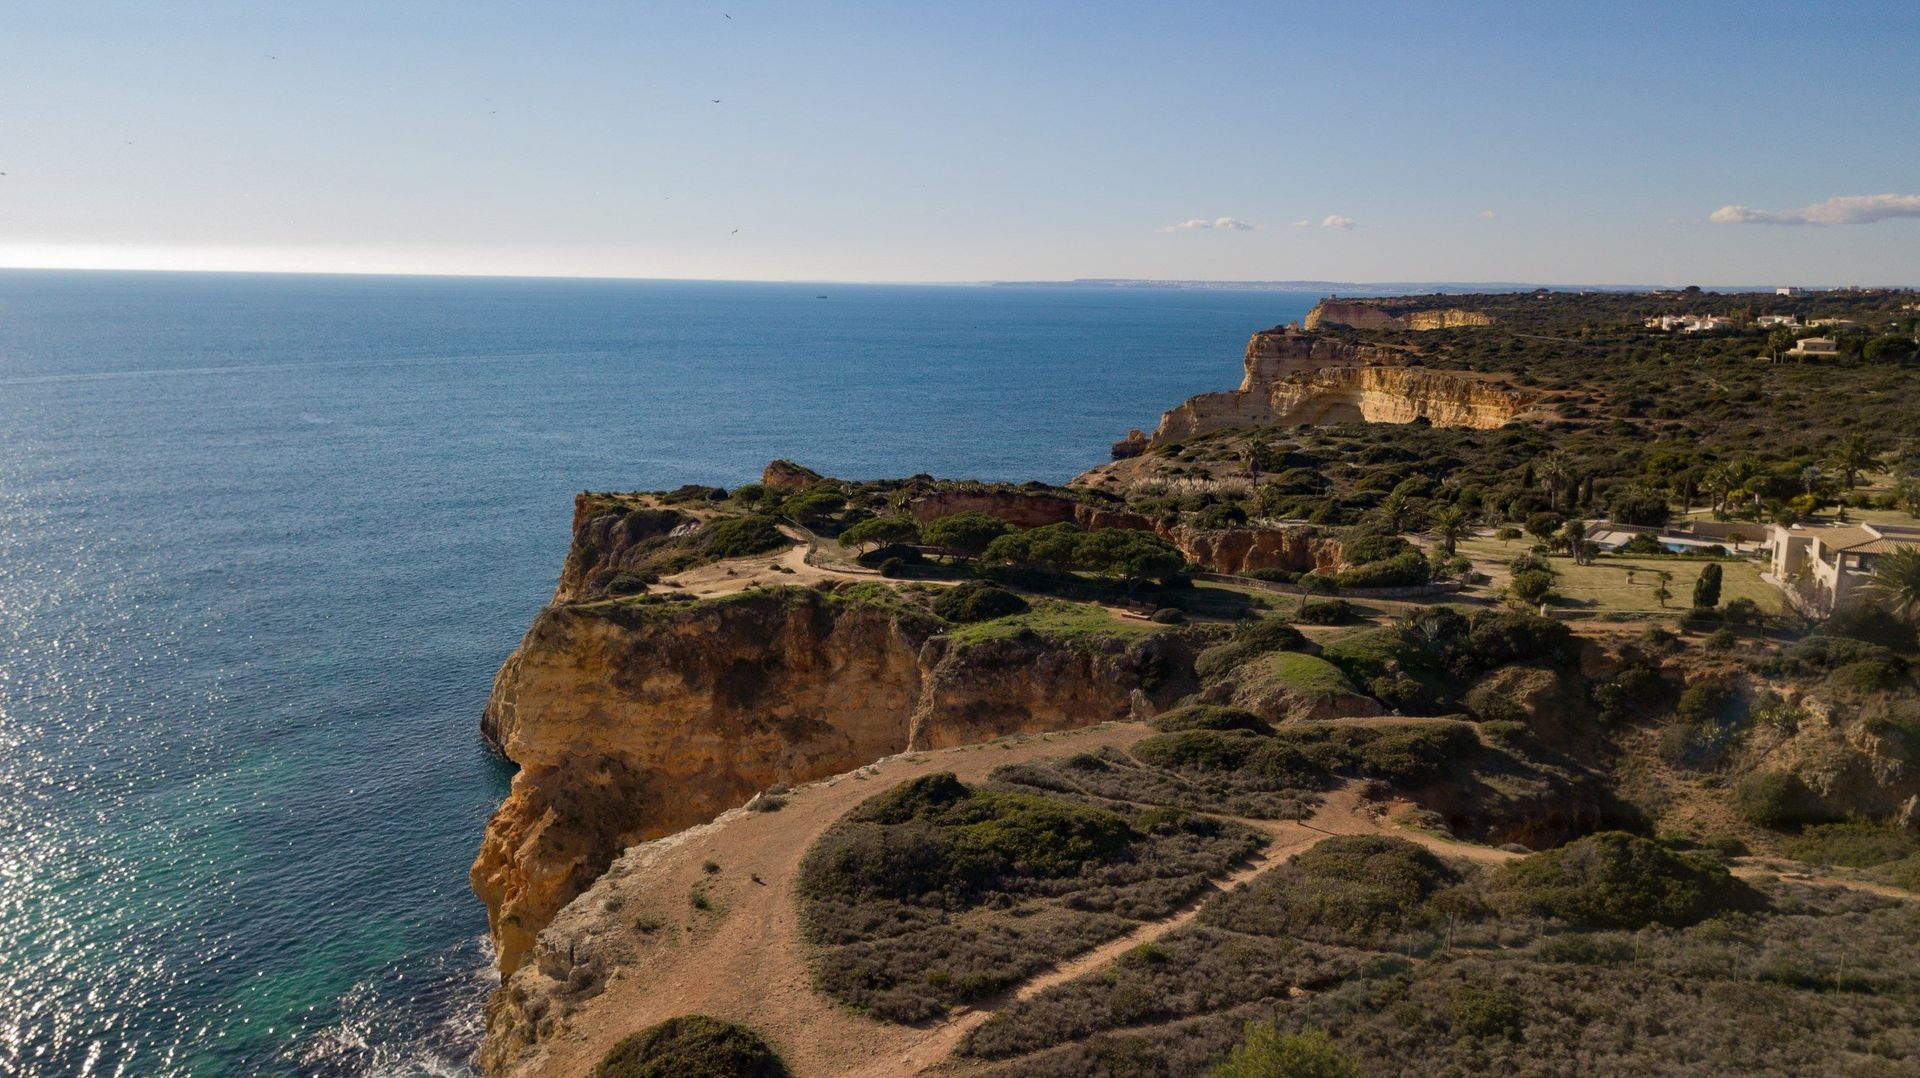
[1381, 288]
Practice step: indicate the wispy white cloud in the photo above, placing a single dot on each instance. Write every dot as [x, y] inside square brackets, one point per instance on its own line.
[1227, 224]
[1334, 220]
[1488, 215]
[1303, 223]
[1846, 210]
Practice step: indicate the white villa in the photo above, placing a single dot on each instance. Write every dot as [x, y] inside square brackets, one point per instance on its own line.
[1821, 568]
[1689, 323]
[1815, 346]
[1769, 321]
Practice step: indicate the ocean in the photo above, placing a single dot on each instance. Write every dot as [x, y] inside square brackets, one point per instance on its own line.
[265, 539]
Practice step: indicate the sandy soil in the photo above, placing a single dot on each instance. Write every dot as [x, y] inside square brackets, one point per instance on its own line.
[744, 959]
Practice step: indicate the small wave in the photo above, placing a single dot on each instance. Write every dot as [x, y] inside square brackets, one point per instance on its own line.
[422, 1022]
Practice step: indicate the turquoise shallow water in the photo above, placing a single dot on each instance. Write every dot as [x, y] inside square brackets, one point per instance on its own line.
[264, 541]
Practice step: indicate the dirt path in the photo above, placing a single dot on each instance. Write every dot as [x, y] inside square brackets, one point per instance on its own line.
[744, 959]
[1779, 868]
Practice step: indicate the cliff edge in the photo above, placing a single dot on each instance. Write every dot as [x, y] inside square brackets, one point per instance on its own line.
[633, 719]
[1295, 377]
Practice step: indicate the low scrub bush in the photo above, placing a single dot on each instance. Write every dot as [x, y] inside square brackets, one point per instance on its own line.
[1325, 612]
[934, 893]
[1855, 845]
[977, 601]
[1617, 880]
[1268, 1053]
[1210, 717]
[1410, 569]
[692, 1046]
[1359, 890]
[1249, 641]
[740, 537]
[1269, 784]
[1777, 799]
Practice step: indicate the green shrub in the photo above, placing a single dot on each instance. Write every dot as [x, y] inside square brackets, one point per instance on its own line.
[1170, 615]
[1265, 1052]
[1637, 691]
[1249, 641]
[1210, 717]
[1776, 799]
[1358, 890]
[977, 601]
[1325, 612]
[1855, 845]
[1617, 880]
[1487, 1013]
[1883, 673]
[692, 1046]
[1704, 701]
[1367, 548]
[1198, 750]
[1531, 586]
[739, 537]
[1417, 755]
[1904, 873]
[1406, 570]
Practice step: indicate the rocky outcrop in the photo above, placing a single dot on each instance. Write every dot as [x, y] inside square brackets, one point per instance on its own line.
[609, 537]
[1296, 378]
[1302, 549]
[1221, 550]
[1365, 314]
[634, 720]
[1853, 752]
[788, 477]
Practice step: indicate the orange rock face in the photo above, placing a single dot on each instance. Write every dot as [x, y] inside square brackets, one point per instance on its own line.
[630, 723]
[1296, 378]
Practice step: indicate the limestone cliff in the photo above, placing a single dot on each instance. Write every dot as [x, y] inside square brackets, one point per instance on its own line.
[1372, 314]
[609, 536]
[1293, 378]
[1222, 550]
[634, 720]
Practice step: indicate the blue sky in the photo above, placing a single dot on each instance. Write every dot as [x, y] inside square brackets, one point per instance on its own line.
[1567, 143]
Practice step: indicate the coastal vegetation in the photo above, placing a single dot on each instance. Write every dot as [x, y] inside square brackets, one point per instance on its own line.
[1545, 806]
[692, 1046]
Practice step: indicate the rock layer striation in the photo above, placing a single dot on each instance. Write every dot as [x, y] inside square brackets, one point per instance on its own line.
[1297, 378]
[630, 721]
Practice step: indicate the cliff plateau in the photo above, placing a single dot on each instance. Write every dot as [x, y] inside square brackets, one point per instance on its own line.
[630, 721]
[1221, 550]
[1365, 314]
[1294, 378]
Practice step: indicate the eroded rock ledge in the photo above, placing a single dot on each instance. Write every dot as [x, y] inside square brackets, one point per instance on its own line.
[634, 720]
[1378, 314]
[1293, 377]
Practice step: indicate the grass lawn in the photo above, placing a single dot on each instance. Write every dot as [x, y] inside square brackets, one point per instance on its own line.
[1306, 673]
[1060, 620]
[1627, 584]
[1605, 584]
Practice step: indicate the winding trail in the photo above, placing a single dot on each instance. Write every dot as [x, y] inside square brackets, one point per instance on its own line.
[744, 958]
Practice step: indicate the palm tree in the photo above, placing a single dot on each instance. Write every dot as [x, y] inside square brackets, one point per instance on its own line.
[1575, 534]
[1810, 478]
[1556, 471]
[1399, 513]
[1896, 582]
[1719, 482]
[1450, 526]
[1660, 591]
[1853, 456]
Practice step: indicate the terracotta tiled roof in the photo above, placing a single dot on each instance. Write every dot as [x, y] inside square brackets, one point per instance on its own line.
[1843, 538]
